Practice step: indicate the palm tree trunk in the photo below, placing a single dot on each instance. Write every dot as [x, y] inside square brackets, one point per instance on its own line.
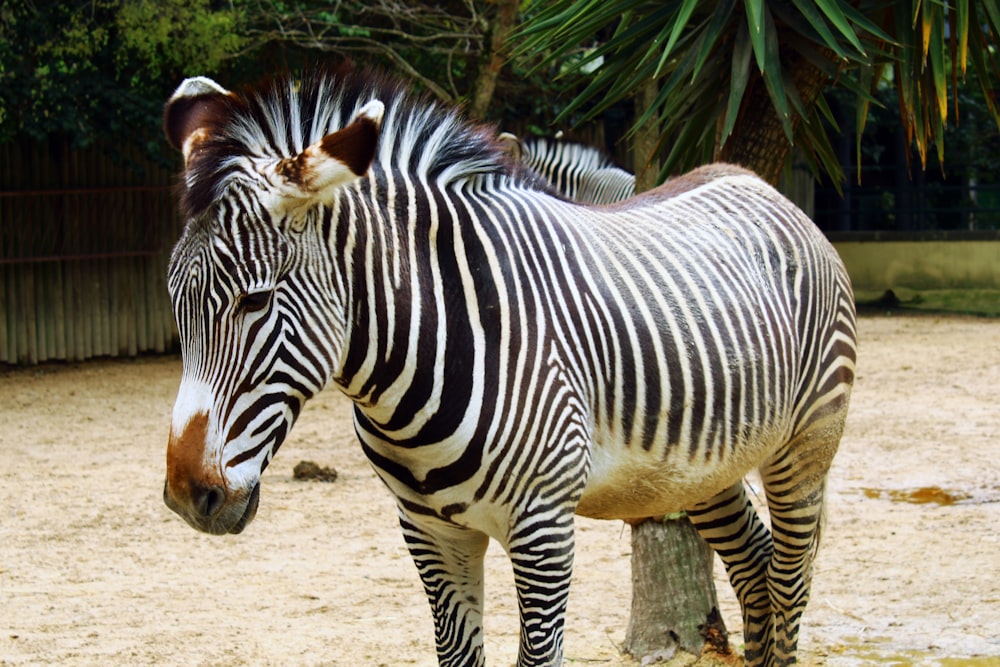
[758, 141]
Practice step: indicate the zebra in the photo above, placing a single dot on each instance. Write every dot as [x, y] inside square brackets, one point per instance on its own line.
[576, 171]
[513, 358]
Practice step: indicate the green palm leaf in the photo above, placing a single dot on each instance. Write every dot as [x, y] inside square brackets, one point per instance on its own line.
[713, 60]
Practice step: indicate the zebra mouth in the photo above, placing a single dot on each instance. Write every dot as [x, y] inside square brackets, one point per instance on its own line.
[250, 512]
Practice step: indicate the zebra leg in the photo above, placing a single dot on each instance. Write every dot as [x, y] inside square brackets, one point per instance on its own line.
[795, 481]
[732, 527]
[449, 560]
[541, 552]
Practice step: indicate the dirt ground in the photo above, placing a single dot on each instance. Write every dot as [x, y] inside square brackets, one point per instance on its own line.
[95, 570]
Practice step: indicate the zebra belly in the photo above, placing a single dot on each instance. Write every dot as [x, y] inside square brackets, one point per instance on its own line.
[632, 483]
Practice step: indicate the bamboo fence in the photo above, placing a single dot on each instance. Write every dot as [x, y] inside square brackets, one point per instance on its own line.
[84, 244]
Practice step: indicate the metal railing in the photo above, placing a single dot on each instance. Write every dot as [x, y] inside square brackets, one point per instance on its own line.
[889, 201]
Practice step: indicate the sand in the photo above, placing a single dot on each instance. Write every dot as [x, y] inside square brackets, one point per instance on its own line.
[95, 570]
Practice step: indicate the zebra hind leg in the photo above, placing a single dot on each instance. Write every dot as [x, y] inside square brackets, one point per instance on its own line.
[449, 560]
[732, 527]
[795, 483]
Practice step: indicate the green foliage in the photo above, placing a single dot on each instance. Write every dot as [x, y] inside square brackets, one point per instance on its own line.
[184, 36]
[79, 71]
[708, 56]
[75, 72]
[441, 46]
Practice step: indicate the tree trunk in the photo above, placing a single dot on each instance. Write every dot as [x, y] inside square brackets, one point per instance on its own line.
[758, 141]
[674, 603]
[486, 80]
[647, 166]
[673, 593]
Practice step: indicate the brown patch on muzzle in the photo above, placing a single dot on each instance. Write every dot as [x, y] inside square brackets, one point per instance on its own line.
[187, 473]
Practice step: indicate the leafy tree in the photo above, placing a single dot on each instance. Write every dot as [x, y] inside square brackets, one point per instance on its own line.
[454, 49]
[73, 72]
[180, 36]
[435, 45]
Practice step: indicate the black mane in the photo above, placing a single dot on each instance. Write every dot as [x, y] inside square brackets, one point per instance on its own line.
[284, 115]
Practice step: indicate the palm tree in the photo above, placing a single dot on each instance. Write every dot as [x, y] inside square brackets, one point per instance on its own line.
[753, 73]
[744, 82]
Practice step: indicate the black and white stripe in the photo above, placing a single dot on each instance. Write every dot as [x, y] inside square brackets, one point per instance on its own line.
[578, 172]
[514, 357]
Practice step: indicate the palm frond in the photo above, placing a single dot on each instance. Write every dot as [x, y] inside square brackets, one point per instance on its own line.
[708, 56]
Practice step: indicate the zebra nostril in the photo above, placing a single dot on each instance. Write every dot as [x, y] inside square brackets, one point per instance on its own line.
[208, 501]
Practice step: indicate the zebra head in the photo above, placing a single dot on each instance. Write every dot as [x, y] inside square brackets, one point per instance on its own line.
[250, 326]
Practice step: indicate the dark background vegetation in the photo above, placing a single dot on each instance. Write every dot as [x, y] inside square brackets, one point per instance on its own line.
[78, 74]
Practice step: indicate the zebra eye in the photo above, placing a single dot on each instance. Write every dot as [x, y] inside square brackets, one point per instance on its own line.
[254, 301]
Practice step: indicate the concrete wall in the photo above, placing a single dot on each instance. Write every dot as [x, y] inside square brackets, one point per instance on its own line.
[930, 261]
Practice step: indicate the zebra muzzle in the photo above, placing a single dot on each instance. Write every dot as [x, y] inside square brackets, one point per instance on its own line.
[250, 512]
[211, 510]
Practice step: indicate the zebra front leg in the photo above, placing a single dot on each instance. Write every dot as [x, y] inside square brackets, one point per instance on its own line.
[541, 552]
[732, 527]
[449, 560]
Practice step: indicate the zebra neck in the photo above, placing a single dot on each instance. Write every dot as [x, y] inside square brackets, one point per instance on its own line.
[411, 312]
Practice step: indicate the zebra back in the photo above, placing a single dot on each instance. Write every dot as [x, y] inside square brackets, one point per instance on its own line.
[577, 171]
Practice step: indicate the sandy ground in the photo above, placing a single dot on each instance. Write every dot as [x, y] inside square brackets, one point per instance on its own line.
[95, 570]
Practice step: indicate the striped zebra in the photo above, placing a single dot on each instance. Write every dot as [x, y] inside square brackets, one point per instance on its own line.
[577, 171]
[513, 358]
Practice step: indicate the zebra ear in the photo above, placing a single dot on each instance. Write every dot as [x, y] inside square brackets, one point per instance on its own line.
[512, 144]
[336, 159]
[193, 108]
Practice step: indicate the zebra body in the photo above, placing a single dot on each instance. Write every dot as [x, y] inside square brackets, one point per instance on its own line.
[513, 358]
[576, 171]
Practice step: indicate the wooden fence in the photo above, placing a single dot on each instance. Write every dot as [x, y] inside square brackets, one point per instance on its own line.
[84, 243]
